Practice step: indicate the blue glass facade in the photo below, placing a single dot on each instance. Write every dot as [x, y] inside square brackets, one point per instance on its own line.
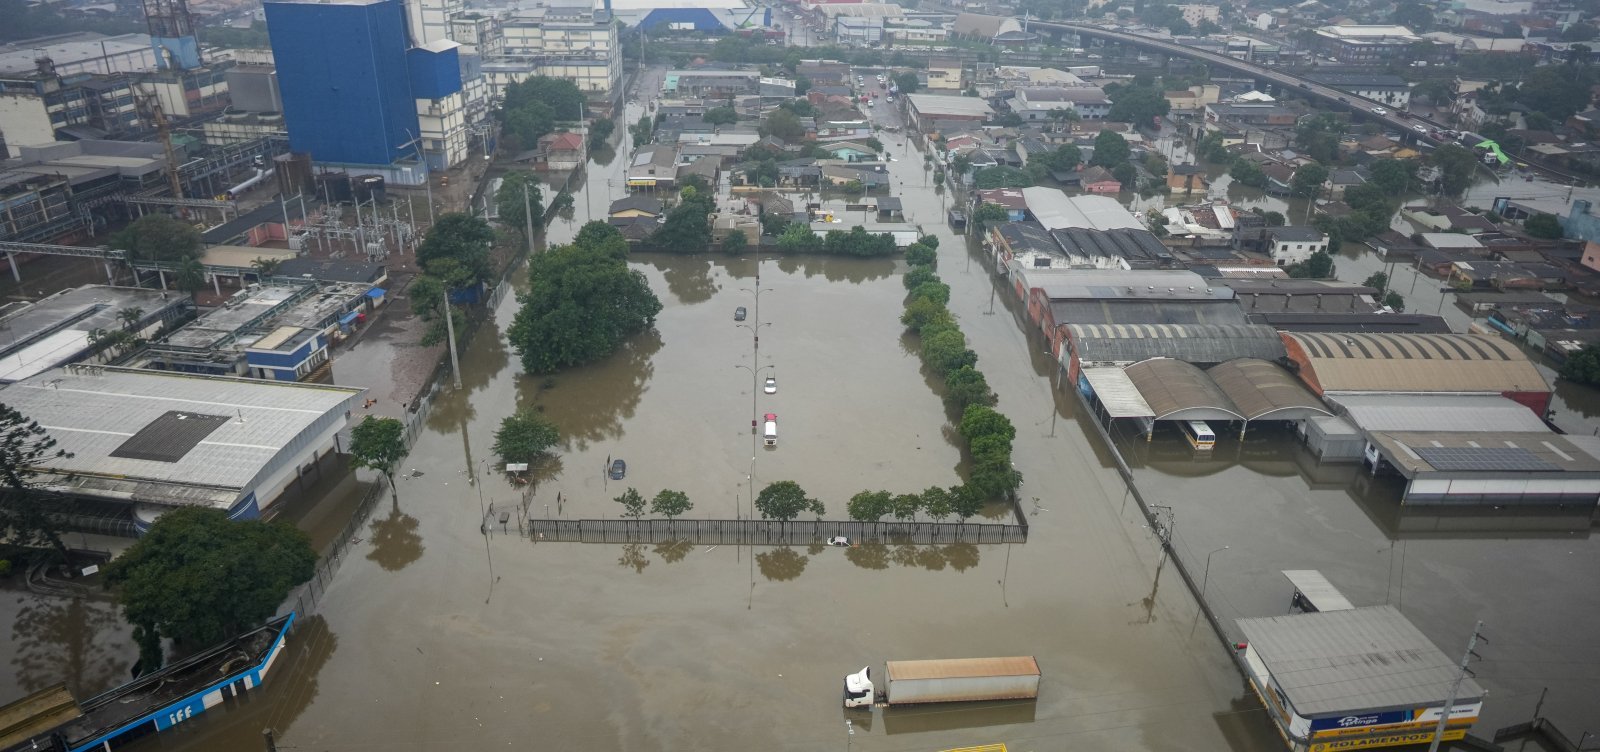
[345, 79]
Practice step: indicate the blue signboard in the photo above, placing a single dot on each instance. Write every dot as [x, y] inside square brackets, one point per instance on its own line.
[1362, 720]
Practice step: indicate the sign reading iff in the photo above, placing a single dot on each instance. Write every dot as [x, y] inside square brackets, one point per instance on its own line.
[1420, 737]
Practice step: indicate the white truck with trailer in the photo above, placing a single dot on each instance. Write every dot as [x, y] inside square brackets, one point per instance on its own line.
[949, 680]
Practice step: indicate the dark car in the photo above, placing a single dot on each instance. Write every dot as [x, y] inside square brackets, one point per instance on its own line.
[618, 470]
[738, 313]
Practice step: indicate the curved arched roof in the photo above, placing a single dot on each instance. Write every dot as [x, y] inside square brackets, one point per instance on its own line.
[1264, 390]
[1176, 390]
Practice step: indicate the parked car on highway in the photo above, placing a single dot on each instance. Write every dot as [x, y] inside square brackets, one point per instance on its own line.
[1379, 111]
[738, 313]
[772, 385]
[1419, 128]
[619, 469]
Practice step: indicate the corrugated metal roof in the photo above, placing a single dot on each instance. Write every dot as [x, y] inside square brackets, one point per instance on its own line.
[951, 668]
[1373, 362]
[1265, 390]
[1055, 209]
[1117, 393]
[1179, 391]
[1146, 312]
[1194, 343]
[1360, 660]
[1438, 412]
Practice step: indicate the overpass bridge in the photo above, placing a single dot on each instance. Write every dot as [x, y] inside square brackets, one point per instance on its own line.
[1330, 97]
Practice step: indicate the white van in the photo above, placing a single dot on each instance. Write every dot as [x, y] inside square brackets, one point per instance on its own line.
[769, 430]
[1199, 434]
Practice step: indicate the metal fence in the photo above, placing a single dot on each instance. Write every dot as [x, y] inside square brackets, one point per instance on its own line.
[304, 600]
[770, 532]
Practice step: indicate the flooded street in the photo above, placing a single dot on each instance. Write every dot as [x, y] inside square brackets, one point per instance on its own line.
[443, 629]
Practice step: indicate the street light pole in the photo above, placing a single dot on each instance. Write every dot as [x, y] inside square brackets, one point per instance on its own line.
[1205, 580]
[427, 174]
[755, 375]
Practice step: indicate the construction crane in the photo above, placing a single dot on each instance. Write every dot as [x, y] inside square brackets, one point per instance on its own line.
[151, 105]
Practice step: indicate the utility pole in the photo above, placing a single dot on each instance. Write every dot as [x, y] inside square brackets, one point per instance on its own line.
[1461, 673]
[450, 328]
[527, 212]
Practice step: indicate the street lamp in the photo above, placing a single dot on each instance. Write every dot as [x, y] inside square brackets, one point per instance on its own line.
[757, 292]
[427, 174]
[1207, 578]
[755, 375]
[755, 330]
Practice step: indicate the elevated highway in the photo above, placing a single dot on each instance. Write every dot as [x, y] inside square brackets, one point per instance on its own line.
[1326, 95]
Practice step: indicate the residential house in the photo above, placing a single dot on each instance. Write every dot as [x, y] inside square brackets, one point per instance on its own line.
[1372, 44]
[1015, 203]
[654, 166]
[559, 152]
[1341, 179]
[1186, 177]
[1089, 102]
[1051, 104]
[944, 73]
[1292, 245]
[636, 205]
[1279, 178]
[1378, 87]
[850, 151]
[1098, 179]
[1194, 98]
[1251, 113]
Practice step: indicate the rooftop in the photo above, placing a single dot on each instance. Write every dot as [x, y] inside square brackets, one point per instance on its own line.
[1194, 343]
[1502, 452]
[130, 428]
[939, 105]
[1055, 209]
[1467, 363]
[67, 49]
[1369, 33]
[1362, 659]
[1100, 284]
[1459, 413]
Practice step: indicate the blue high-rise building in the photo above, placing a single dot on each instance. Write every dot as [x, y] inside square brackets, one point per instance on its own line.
[350, 80]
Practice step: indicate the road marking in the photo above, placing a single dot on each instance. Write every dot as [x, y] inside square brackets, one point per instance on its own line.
[708, 549]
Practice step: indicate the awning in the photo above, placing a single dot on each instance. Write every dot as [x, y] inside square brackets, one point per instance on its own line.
[346, 319]
[376, 293]
[1117, 394]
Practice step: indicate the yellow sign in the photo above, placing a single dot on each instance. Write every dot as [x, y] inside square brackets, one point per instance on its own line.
[1395, 740]
[981, 748]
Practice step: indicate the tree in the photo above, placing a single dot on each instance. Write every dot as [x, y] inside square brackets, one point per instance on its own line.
[461, 238]
[937, 503]
[669, 503]
[561, 95]
[1543, 226]
[158, 237]
[988, 215]
[1206, 28]
[785, 125]
[130, 317]
[525, 125]
[1126, 175]
[966, 386]
[961, 164]
[26, 517]
[1392, 176]
[978, 421]
[510, 200]
[918, 254]
[1110, 150]
[523, 436]
[905, 506]
[946, 350]
[919, 276]
[801, 85]
[632, 503]
[1583, 366]
[1318, 266]
[937, 292]
[1457, 166]
[198, 578]
[869, 506]
[265, 267]
[1274, 219]
[642, 131]
[1395, 301]
[721, 116]
[1001, 176]
[1378, 281]
[600, 132]
[581, 305]
[908, 82]
[1140, 105]
[735, 243]
[1413, 14]
[965, 501]
[922, 312]
[1308, 180]
[379, 444]
[1247, 173]
[688, 225]
[784, 500]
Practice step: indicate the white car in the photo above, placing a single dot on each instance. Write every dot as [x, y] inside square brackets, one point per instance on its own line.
[772, 385]
[1379, 111]
[840, 541]
[1419, 128]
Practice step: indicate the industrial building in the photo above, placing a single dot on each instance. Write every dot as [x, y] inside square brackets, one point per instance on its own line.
[575, 42]
[1122, 345]
[1335, 364]
[928, 111]
[1364, 44]
[1349, 678]
[690, 15]
[139, 442]
[353, 86]
[63, 327]
[60, 191]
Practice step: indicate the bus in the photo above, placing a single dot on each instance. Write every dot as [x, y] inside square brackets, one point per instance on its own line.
[1199, 434]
